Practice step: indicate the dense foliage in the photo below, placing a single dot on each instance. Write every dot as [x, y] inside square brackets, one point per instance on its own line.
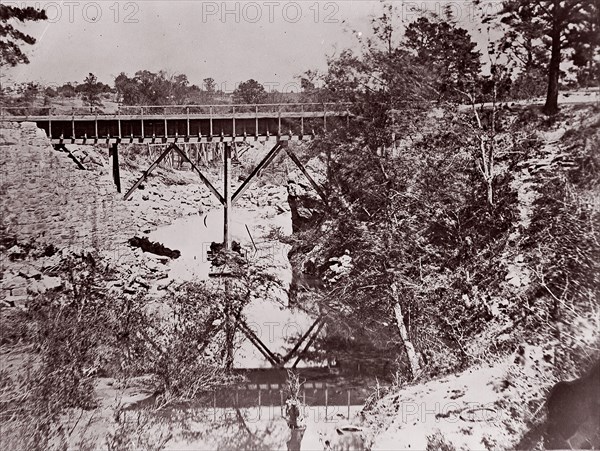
[424, 198]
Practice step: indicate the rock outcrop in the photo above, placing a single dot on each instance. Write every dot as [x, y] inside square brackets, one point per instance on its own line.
[306, 205]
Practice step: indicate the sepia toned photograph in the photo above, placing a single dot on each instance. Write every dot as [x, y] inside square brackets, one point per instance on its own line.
[352, 225]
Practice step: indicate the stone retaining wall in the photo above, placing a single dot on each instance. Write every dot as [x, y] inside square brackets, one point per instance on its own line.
[46, 197]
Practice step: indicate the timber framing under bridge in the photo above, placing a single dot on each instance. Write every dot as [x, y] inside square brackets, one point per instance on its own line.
[176, 126]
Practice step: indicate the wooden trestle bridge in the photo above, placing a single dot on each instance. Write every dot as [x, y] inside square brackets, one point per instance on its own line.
[176, 126]
[179, 125]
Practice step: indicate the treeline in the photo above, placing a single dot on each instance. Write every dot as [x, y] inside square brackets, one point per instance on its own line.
[147, 88]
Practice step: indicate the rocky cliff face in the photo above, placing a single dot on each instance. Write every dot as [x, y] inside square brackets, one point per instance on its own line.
[307, 210]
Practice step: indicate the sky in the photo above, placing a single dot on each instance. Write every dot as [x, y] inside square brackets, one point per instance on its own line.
[231, 41]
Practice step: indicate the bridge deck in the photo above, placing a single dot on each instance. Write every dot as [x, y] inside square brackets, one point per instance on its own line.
[165, 124]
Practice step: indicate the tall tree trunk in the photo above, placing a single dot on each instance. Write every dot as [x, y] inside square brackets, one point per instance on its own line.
[551, 106]
[413, 358]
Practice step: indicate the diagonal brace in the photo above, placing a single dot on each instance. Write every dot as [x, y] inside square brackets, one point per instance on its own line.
[148, 171]
[202, 177]
[63, 148]
[291, 354]
[308, 345]
[314, 184]
[272, 358]
[263, 164]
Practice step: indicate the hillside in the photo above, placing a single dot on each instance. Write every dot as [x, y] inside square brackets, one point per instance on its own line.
[497, 309]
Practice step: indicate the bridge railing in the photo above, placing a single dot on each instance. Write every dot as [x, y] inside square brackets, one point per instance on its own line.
[173, 110]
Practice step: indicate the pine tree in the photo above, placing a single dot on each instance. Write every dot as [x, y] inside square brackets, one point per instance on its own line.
[11, 38]
[563, 24]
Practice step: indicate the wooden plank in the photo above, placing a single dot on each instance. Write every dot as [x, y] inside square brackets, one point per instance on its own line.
[314, 184]
[263, 164]
[188, 121]
[195, 139]
[175, 116]
[148, 171]
[209, 185]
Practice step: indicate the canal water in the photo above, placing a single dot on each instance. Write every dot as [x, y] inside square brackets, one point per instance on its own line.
[250, 416]
[269, 317]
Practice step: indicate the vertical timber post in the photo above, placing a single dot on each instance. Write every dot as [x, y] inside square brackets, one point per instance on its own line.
[259, 403]
[227, 196]
[348, 405]
[326, 401]
[187, 112]
[114, 152]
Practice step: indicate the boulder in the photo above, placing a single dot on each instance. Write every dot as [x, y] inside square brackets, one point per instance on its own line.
[14, 282]
[30, 272]
[51, 283]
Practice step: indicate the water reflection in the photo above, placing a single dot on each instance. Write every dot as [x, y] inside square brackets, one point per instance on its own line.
[241, 429]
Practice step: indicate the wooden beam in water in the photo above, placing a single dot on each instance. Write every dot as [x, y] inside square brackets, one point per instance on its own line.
[297, 346]
[266, 352]
[309, 344]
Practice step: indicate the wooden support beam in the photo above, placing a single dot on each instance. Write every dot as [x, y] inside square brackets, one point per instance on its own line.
[187, 111]
[209, 185]
[314, 184]
[227, 195]
[258, 344]
[279, 122]
[233, 120]
[290, 354]
[309, 344]
[63, 148]
[114, 151]
[256, 129]
[263, 164]
[230, 327]
[148, 171]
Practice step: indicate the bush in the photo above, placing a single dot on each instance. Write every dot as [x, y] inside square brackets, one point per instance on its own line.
[68, 339]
